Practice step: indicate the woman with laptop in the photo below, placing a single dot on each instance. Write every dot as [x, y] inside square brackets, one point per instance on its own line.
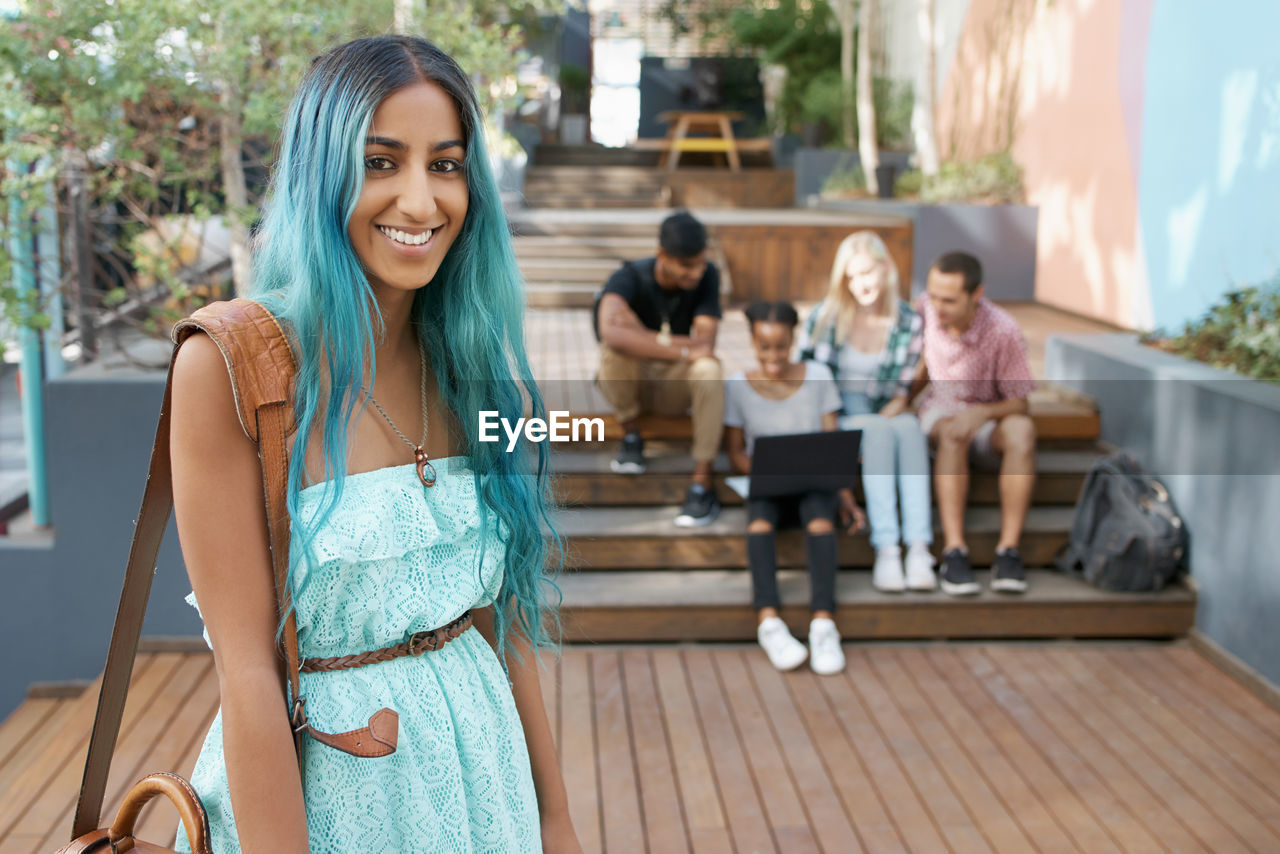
[871, 339]
[782, 397]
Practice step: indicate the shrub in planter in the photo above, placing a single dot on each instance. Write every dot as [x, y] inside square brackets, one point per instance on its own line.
[1240, 334]
[846, 182]
[994, 179]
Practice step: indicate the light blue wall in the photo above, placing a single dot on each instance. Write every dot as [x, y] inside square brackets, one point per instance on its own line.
[1209, 185]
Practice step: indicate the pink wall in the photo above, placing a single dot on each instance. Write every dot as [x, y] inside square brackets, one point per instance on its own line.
[1047, 80]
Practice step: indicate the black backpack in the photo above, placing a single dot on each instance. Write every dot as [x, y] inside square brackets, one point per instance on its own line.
[1127, 534]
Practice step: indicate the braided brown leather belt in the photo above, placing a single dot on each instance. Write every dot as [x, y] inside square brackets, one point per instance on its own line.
[417, 644]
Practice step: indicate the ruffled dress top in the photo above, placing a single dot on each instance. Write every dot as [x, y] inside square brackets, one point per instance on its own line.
[395, 558]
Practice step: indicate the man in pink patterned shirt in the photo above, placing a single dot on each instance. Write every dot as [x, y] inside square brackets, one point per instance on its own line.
[976, 403]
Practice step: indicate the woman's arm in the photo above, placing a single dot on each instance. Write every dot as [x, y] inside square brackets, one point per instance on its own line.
[851, 515]
[735, 442]
[217, 495]
[895, 407]
[558, 835]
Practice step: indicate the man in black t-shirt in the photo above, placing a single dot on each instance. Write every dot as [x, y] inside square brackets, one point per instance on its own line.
[657, 320]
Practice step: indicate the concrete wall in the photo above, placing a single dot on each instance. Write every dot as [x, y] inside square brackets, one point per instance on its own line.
[1002, 237]
[1214, 439]
[814, 165]
[60, 600]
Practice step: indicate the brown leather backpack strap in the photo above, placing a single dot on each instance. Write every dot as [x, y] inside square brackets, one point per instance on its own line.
[263, 367]
[153, 518]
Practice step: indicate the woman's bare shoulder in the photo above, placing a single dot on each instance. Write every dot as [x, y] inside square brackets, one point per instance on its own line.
[202, 391]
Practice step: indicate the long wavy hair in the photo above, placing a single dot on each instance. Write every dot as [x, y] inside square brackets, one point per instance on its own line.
[839, 307]
[469, 317]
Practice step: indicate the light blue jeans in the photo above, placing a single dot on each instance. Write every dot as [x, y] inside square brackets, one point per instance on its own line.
[895, 462]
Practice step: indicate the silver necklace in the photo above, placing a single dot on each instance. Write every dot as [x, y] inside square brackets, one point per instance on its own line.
[426, 471]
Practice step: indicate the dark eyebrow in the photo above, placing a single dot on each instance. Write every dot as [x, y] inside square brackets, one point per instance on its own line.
[385, 142]
[388, 142]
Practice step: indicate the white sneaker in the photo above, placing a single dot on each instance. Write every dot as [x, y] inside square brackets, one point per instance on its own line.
[920, 568]
[886, 576]
[784, 651]
[825, 655]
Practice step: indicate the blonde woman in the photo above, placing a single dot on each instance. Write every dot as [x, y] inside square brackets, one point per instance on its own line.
[872, 341]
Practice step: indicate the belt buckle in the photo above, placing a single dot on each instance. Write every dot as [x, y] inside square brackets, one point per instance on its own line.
[419, 642]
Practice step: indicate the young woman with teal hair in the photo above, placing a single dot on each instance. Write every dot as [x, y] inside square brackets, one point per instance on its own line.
[384, 252]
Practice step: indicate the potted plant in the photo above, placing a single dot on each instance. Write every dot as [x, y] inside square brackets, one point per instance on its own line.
[575, 101]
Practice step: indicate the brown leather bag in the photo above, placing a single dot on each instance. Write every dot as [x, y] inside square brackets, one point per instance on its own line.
[262, 366]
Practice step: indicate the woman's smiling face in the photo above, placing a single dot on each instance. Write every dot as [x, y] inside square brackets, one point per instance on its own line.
[866, 278]
[414, 199]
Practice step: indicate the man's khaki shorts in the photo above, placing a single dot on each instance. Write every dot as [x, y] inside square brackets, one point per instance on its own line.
[981, 453]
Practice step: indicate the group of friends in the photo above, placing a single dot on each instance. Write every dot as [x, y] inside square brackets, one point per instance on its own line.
[941, 385]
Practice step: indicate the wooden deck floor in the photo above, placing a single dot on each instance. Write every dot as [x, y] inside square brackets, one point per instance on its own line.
[958, 747]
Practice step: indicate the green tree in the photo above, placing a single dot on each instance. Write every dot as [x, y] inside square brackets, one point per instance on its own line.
[171, 99]
[802, 37]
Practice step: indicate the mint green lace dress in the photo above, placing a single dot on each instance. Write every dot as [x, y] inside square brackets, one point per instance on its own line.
[392, 559]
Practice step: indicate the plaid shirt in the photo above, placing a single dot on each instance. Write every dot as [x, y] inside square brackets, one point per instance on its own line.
[898, 360]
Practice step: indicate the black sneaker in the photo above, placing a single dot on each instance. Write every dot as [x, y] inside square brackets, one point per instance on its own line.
[701, 507]
[956, 576]
[630, 459]
[1007, 574]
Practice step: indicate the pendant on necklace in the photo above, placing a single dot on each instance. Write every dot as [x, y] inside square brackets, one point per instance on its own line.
[426, 471]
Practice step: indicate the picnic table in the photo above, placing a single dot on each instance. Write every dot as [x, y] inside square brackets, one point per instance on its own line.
[717, 127]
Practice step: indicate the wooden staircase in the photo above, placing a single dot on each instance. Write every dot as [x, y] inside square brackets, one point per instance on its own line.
[568, 270]
[563, 271]
[631, 575]
[595, 187]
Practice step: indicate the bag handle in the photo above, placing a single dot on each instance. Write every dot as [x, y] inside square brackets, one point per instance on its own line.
[153, 518]
[157, 503]
[120, 835]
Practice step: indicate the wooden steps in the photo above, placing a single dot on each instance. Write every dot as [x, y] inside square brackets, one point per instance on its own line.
[555, 154]
[567, 271]
[583, 478]
[594, 187]
[1061, 419]
[606, 539]
[631, 575]
[716, 605]
[557, 246]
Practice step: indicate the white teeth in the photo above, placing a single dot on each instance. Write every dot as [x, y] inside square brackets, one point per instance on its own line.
[403, 237]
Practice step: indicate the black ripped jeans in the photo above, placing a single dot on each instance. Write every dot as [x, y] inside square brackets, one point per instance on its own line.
[762, 552]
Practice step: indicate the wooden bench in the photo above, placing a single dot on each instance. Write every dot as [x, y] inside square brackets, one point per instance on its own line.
[717, 122]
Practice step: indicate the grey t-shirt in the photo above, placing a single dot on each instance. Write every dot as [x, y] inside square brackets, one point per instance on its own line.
[800, 413]
[859, 371]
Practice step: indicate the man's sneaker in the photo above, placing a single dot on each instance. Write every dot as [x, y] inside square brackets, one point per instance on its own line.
[919, 565]
[886, 575]
[956, 577]
[1007, 574]
[784, 651]
[701, 507]
[630, 459]
[825, 655]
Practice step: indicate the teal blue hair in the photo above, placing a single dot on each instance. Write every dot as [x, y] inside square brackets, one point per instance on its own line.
[470, 316]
